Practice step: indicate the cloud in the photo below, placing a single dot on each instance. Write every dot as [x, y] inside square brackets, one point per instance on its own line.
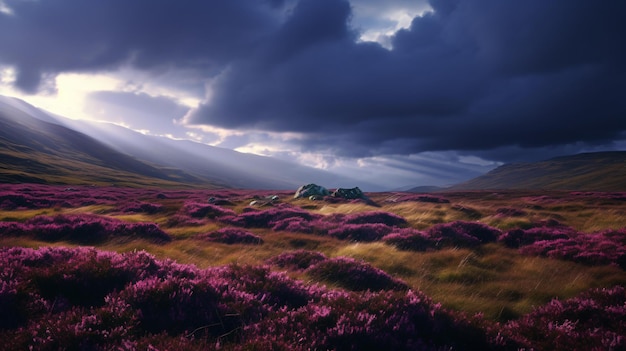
[43, 37]
[470, 75]
[494, 80]
[158, 115]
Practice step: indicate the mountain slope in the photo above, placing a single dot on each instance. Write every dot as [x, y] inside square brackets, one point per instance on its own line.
[221, 165]
[160, 157]
[598, 171]
[35, 150]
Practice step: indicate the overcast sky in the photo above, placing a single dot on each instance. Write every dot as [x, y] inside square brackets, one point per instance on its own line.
[396, 91]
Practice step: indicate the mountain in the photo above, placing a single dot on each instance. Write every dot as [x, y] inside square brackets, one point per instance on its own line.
[165, 158]
[597, 171]
[34, 149]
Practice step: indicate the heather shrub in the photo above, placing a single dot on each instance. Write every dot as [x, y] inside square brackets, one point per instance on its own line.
[293, 224]
[600, 248]
[374, 217]
[268, 218]
[202, 210]
[409, 239]
[82, 228]
[275, 290]
[143, 230]
[386, 320]
[520, 237]
[79, 228]
[183, 220]
[140, 207]
[75, 329]
[13, 201]
[462, 234]
[231, 235]
[354, 275]
[361, 232]
[595, 320]
[297, 260]
[177, 305]
[323, 225]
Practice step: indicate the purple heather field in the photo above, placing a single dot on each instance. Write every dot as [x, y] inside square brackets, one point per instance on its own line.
[83, 298]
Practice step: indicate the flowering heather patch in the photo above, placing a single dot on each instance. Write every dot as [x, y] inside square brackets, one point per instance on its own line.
[361, 232]
[409, 239]
[293, 224]
[231, 235]
[297, 260]
[354, 275]
[462, 234]
[268, 218]
[82, 228]
[10, 200]
[520, 237]
[373, 217]
[183, 220]
[140, 207]
[595, 320]
[385, 320]
[202, 210]
[86, 299]
[608, 247]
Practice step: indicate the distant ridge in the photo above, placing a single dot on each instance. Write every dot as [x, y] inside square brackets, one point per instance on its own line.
[35, 150]
[39, 147]
[596, 171]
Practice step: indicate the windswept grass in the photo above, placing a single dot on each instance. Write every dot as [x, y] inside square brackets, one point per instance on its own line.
[503, 283]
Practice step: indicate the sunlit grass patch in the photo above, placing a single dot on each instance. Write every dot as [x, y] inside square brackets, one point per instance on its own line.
[23, 215]
[95, 209]
[139, 217]
[180, 232]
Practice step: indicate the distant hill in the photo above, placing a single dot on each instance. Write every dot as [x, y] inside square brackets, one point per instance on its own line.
[36, 146]
[598, 171]
[38, 151]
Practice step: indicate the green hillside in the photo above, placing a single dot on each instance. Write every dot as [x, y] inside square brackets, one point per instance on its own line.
[598, 171]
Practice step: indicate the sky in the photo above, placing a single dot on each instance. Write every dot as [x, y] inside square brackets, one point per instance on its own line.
[399, 92]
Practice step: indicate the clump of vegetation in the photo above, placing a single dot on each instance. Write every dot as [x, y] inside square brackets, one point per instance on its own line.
[554, 247]
[409, 239]
[462, 234]
[594, 320]
[354, 275]
[230, 235]
[82, 228]
[137, 300]
[297, 260]
[361, 232]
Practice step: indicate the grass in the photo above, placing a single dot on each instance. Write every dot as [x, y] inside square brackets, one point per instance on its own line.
[492, 279]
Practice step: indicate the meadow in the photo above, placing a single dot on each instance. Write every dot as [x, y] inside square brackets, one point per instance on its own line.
[91, 267]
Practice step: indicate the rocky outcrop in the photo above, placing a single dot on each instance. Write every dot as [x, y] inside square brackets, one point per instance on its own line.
[311, 190]
[351, 194]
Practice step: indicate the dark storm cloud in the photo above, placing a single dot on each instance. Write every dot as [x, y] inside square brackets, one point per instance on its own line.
[47, 37]
[472, 75]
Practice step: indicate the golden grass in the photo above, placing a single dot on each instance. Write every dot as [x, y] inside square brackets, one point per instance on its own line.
[23, 215]
[494, 280]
